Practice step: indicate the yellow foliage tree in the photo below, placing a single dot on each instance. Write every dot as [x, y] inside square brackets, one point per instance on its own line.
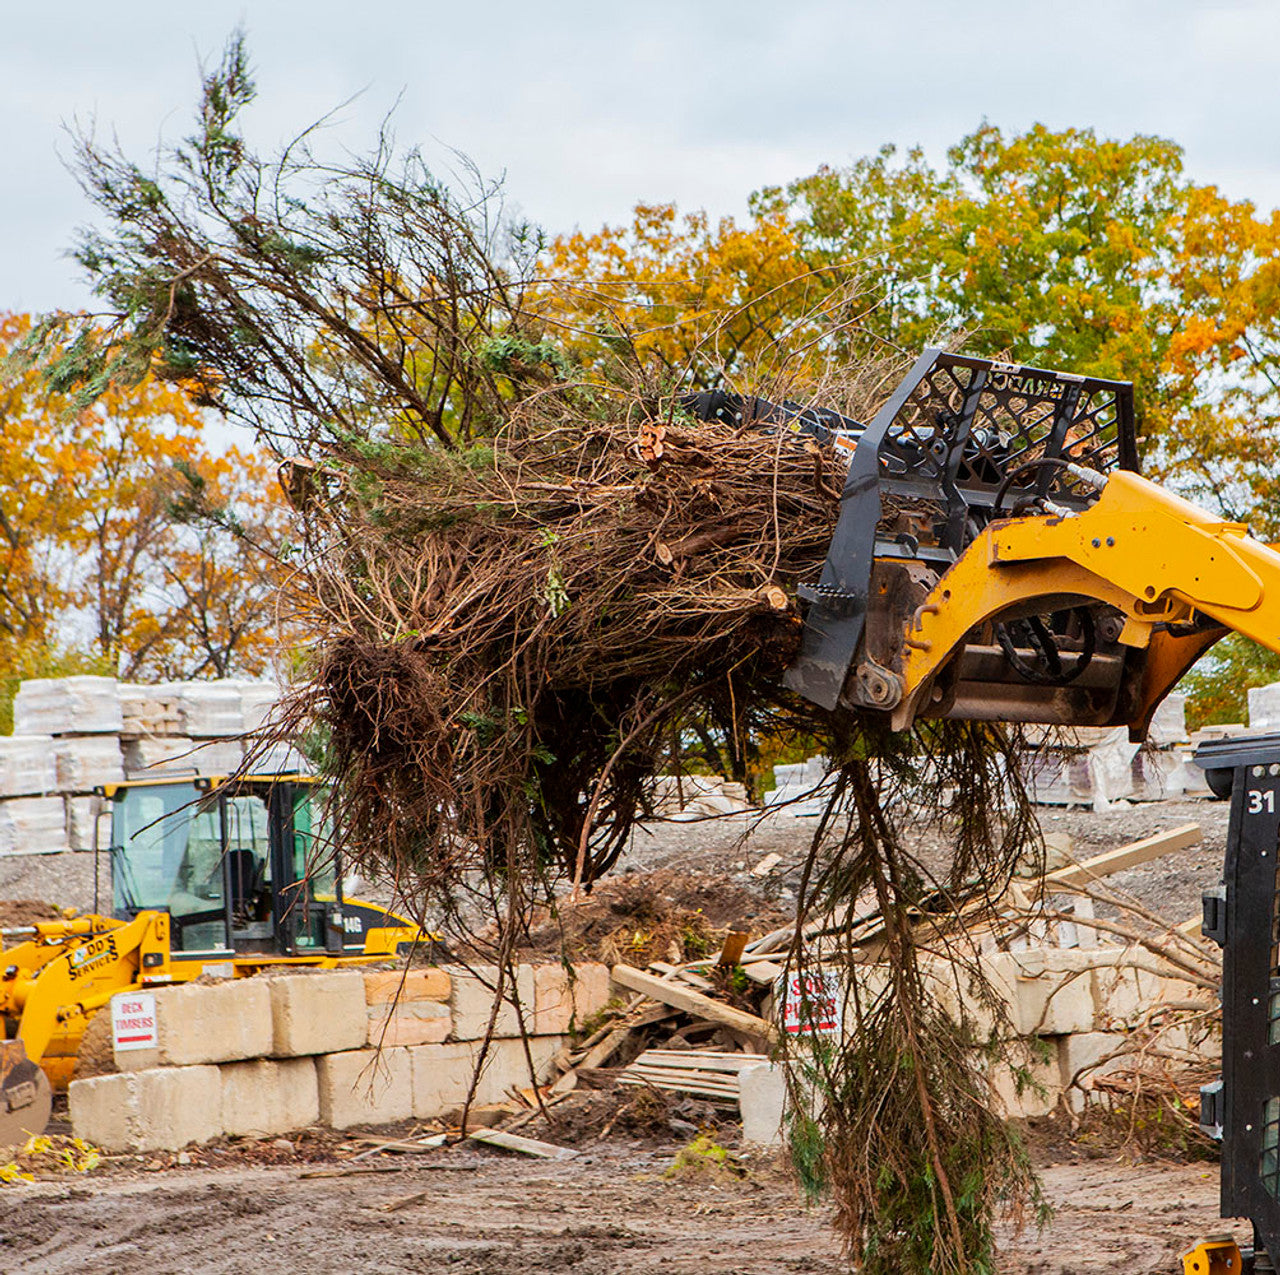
[123, 535]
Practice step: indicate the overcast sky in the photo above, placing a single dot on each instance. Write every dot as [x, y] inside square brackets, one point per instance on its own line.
[589, 108]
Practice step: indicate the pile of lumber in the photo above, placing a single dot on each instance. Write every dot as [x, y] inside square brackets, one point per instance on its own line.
[707, 1073]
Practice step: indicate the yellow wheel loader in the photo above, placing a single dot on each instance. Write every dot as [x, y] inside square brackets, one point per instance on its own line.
[206, 876]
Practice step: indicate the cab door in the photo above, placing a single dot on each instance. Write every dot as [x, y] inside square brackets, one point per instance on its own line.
[309, 900]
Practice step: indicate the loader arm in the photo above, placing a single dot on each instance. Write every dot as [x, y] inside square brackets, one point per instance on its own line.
[998, 557]
[1180, 577]
[95, 958]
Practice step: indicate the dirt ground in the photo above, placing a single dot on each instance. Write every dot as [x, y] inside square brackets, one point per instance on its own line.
[610, 1212]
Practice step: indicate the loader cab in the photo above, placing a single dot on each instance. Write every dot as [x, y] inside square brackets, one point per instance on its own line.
[241, 867]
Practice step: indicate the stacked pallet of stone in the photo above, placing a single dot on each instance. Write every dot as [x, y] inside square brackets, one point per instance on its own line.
[30, 818]
[1099, 766]
[685, 798]
[1264, 708]
[801, 788]
[69, 729]
[182, 728]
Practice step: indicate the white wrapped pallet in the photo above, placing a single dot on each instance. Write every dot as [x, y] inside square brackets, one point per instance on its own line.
[80, 820]
[1264, 707]
[27, 765]
[280, 759]
[85, 762]
[81, 705]
[257, 700]
[1169, 725]
[144, 710]
[206, 710]
[33, 825]
[179, 755]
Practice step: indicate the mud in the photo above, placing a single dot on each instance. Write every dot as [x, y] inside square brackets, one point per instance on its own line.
[611, 1212]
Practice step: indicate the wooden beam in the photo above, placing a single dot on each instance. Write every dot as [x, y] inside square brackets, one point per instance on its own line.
[734, 943]
[526, 1146]
[1123, 857]
[692, 1002]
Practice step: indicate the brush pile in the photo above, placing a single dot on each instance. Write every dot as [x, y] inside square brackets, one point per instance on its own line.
[514, 633]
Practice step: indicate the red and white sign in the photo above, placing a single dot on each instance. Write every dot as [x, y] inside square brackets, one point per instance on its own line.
[813, 1004]
[133, 1020]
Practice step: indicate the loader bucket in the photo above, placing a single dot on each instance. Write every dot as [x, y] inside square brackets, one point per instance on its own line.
[26, 1100]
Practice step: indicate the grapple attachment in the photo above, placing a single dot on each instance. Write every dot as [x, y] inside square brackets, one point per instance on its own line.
[963, 445]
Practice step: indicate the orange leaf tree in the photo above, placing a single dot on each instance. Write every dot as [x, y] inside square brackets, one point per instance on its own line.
[125, 537]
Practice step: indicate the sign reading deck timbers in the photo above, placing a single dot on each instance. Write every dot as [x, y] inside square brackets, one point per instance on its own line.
[133, 1021]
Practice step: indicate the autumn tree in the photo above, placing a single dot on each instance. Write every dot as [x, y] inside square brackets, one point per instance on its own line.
[126, 544]
[1100, 256]
[699, 299]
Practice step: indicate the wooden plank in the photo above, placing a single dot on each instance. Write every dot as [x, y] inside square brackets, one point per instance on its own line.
[763, 971]
[1130, 856]
[701, 1060]
[670, 973]
[526, 1146]
[734, 944]
[692, 1002]
[669, 1076]
[679, 1086]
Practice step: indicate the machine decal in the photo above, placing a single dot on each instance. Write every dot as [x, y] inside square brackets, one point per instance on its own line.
[90, 954]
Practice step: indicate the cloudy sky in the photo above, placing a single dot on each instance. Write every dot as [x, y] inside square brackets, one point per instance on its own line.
[591, 107]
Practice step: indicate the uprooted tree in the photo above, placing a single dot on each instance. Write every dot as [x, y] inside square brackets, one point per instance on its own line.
[528, 573]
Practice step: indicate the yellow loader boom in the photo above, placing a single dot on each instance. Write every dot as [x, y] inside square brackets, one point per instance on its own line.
[998, 556]
[1179, 577]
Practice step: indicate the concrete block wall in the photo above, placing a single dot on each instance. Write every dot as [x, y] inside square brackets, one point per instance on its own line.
[1075, 1007]
[275, 1053]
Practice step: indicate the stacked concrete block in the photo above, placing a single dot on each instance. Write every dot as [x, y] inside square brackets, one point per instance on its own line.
[442, 1074]
[762, 1100]
[407, 1007]
[67, 706]
[160, 1109]
[1083, 1057]
[1029, 1086]
[33, 825]
[1096, 767]
[257, 701]
[803, 788]
[81, 817]
[1264, 707]
[471, 1001]
[213, 1023]
[1169, 723]
[181, 755]
[27, 766]
[85, 762]
[206, 710]
[145, 711]
[267, 1097]
[364, 1086]
[564, 999]
[317, 1013]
